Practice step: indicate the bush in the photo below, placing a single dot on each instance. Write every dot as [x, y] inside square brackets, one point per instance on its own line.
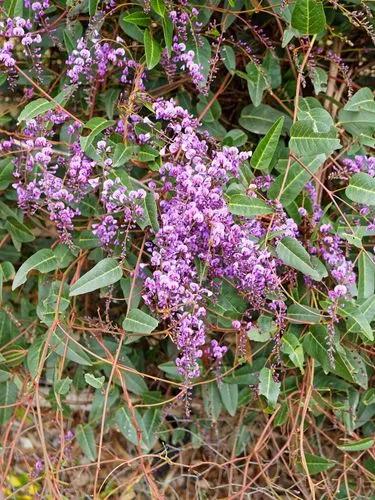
[187, 265]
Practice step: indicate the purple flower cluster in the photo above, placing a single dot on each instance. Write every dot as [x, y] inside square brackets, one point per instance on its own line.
[360, 163]
[331, 250]
[182, 57]
[91, 62]
[125, 204]
[197, 226]
[12, 32]
[39, 182]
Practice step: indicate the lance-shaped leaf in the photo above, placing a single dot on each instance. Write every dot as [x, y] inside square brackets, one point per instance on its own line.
[266, 148]
[361, 189]
[105, 273]
[240, 204]
[96, 125]
[42, 105]
[8, 397]
[86, 439]
[229, 397]
[308, 17]
[259, 119]
[315, 464]
[366, 275]
[152, 50]
[43, 261]
[363, 100]
[293, 254]
[63, 344]
[357, 445]
[296, 178]
[293, 348]
[303, 315]
[138, 17]
[138, 321]
[159, 7]
[268, 387]
[256, 82]
[305, 141]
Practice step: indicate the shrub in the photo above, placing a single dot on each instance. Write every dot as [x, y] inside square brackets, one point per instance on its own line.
[187, 265]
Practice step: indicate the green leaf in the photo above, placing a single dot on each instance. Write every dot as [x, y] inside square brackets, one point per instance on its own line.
[305, 141]
[14, 8]
[316, 464]
[86, 439]
[105, 273]
[6, 172]
[296, 179]
[149, 424]
[33, 355]
[138, 17]
[266, 148]
[8, 397]
[268, 387]
[134, 382]
[259, 120]
[125, 424]
[303, 315]
[357, 445]
[360, 124]
[96, 382]
[86, 240]
[212, 401]
[168, 34]
[256, 82]
[292, 347]
[18, 231]
[308, 17]
[96, 125]
[152, 50]
[366, 275]
[235, 137]
[293, 254]
[350, 366]
[271, 67]
[229, 397]
[315, 345]
[351, 311]
[158, 6]
[35, 108]
[240, 204]
[319, 79]
[368, 398]
[43, 261]
[93, 5]
[121, 155]
[361, 189]
[311, 110]
[7, 271]
[362, 100]
[282, 415]
[62, 386]
[42, 105]
[146, 153]
[139, 322]
[152, 211]
[228, 56]
[62, 345]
